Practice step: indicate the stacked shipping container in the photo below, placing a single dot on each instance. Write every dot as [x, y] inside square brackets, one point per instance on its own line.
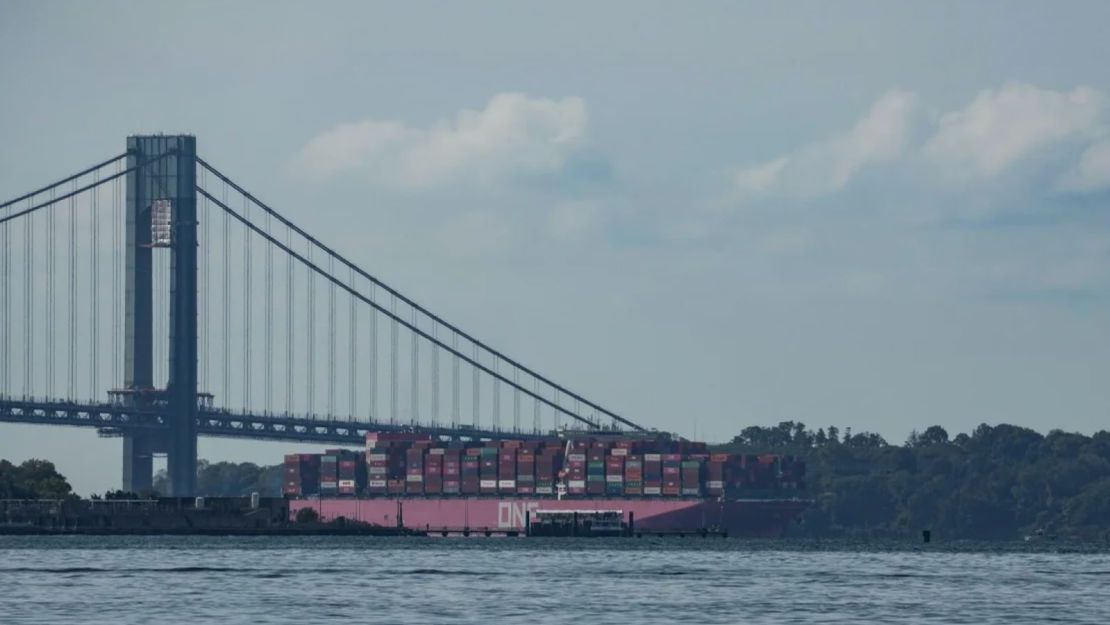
[417, 466]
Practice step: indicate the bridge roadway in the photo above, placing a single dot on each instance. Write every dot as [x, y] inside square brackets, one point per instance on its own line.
[117, 419]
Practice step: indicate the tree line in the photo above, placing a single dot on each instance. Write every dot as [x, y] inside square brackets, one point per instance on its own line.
[999, 481]
[34, 479]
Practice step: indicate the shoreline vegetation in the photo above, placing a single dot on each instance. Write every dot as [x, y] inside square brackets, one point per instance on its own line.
[999, 482]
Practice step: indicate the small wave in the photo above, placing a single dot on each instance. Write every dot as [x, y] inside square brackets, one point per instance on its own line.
[94, 569]
[440, 572]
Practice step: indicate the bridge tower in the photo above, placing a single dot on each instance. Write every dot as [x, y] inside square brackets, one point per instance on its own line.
[162, 218]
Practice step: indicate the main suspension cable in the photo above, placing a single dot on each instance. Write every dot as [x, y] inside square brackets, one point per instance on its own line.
[315, 269]
[80, 174]
[77, 191]
[419, 308]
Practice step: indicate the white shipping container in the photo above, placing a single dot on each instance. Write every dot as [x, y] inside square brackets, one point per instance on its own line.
[377, 483]
[487, 484]
[653, 490]
[436, 451]
[618, 451]
[415, 477]
[377, 470]
[377, 457]
[346, 483]
[576, 457]
[617, 479]
[577, 484]
[506, 484]
[544, 490]
[715, 484]
[653, 457]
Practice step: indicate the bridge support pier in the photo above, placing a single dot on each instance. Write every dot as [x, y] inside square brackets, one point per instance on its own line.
[161, 218]
[138, 463]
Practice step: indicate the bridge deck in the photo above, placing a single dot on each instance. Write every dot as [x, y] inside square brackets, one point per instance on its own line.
[112, 418]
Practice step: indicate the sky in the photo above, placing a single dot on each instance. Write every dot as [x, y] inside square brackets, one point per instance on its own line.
[876, 215]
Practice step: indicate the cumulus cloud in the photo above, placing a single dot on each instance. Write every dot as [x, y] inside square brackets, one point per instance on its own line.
[1000, 128]
[827, 166]
[514, 135]
[1062, 135]
[1092, 173]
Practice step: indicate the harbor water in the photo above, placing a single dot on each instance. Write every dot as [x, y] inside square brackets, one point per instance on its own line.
[137, 580]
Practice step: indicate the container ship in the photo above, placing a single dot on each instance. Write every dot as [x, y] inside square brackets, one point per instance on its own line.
[655, 485]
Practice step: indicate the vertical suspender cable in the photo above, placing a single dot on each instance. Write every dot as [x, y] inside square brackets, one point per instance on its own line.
[72, 360]
[117, 223]
[536, 406]
[373, 373]
[225, 331]
[474, 391]
[393, 360]
[289, 310]
[50, 311]
[558, 416]
[455, 381]
[268, 346]
[248, 295]
[205, 287]
[94, 321]
[415, 404]
[331, 338]
[5, 311]
[516, 399]
[496, 396]
[311, 334]
[352, 351]
[435, 376]
[28, 304]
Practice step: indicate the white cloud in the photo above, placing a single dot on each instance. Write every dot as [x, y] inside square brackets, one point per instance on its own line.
[827, 166]
[513, 135]
[761, 178]
[1000, 128]
[1092, 173]
[986, 139]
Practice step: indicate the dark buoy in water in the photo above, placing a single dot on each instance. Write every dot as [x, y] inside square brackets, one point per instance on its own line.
[926, 536]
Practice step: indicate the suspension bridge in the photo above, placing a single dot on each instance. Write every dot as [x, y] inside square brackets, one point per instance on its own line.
[153, 298]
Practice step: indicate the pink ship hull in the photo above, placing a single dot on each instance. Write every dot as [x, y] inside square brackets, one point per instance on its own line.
[755, 518]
